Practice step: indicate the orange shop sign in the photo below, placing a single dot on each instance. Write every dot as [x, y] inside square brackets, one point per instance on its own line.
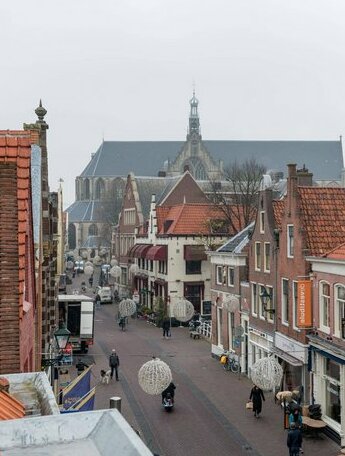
[304, 314]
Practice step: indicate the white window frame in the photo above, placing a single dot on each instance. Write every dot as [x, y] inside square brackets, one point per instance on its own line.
[270, 315]
[254, 301]
[231, 329]
[294, 305]
[337, 314]
[219, 268]
[290, 241]
[326, 329]
[267, 269]
[262, 222]
[285, 305]
[231, 283]
[257, 266]
[262, 313]
[220, 327]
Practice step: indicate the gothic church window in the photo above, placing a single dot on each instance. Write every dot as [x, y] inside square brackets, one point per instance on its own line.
[86, 193]
[93, 230]
[100, 189]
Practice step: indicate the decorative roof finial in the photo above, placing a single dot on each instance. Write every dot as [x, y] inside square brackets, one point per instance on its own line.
[40, 112]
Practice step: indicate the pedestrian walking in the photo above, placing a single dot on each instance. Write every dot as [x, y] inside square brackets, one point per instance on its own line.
[295, 417]
[114, 364]
[294, 440]
[166, 327]
[257, 396]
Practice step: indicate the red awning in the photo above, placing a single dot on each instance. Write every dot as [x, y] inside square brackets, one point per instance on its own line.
[140, 252]
[157, 252]
[194, 253]
[132, 250]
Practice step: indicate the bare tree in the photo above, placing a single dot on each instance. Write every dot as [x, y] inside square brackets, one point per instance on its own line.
[239, 201]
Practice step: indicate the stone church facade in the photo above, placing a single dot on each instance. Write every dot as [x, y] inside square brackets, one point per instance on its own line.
[100, 187]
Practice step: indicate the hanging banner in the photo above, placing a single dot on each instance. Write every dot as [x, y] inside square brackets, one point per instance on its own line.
[76, 389]
[304, 308]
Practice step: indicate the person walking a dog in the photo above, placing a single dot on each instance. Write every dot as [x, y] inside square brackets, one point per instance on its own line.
[114, 364]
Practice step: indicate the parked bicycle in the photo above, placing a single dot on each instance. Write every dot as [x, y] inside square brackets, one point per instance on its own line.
[229, 362]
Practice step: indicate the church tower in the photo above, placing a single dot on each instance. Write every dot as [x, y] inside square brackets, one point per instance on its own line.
[194, 156]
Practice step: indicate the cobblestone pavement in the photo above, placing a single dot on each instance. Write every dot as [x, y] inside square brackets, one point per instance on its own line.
[209, 416]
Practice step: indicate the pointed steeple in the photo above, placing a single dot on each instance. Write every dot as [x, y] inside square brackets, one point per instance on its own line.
[194, 121]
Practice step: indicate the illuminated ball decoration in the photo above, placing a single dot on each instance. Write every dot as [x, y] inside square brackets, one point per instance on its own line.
[97, 260]
[84, 255]
[127, 307]
[103, 252]
[154, 376]
[183, 310]
[231, 304]
[88, 263]
[115, 271]
[134, 269]
[267, 373]
[113, 262]
[88, 270]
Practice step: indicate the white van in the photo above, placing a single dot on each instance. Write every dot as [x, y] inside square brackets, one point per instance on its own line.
[104, 294]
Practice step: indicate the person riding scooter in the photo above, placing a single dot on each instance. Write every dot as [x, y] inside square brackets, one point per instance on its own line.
[170, 390]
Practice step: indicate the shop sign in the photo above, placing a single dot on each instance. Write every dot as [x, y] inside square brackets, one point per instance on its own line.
[291, 347]
[304, 314]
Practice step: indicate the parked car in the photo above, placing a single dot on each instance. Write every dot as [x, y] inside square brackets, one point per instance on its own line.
[103, 294]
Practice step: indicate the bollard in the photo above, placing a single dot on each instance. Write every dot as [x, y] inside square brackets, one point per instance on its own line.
[115, 402]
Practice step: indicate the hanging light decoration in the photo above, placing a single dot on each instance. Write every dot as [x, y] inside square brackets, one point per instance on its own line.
[88, 263]
[84, 255]
[70, 264]
[154, 376]
[88, 270]
[134, 269]
[183, 310]
[113, 262]
[103, 252]
[115, 271]
[266, 373]
[79, 258]
[127, 307]
[97, 260]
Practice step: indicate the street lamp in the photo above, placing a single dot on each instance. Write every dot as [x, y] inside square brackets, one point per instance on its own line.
[61, 336]
[265, 298]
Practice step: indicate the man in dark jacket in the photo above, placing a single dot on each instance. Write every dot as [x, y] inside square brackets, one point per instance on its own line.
[170, 389]
[294, 440]
[166, 327]
[114, 364]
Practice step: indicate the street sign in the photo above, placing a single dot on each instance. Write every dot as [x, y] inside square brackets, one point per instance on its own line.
[239, 330]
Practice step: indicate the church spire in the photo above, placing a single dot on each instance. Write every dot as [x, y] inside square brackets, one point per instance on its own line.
[194, 122]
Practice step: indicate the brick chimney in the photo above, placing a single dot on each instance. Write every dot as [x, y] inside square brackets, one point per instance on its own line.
[304, 177]
[291, 185]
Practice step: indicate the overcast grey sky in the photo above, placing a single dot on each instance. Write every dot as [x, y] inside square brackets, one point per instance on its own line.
[124, 70]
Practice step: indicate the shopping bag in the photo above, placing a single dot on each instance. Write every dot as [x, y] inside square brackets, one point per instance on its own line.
[249, 405]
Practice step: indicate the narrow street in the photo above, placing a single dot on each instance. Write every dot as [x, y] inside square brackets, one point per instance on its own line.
[209, 417]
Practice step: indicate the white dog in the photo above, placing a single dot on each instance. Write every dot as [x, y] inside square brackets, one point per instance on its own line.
[105, 376]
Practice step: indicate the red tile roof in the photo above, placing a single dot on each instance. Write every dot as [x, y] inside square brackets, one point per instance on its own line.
[278, 209]
[337, 254]
[188, 219]
[323, 218]
[10, 407]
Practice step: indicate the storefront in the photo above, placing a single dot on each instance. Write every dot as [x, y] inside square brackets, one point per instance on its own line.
[328, 373]
[260, 345]
[293, 357]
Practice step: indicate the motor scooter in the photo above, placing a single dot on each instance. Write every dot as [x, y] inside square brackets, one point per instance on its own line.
[168, 402]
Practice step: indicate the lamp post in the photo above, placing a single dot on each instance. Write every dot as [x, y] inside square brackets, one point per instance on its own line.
[265, 299]
[61, 337]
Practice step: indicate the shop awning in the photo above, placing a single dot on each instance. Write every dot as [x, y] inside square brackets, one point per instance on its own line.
[140, 252]
[133, 249]
[194, 253]
[157, 252]
[286, 357]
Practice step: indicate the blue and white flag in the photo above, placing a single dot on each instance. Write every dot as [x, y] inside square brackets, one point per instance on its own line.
[77, 389]
[85, 403]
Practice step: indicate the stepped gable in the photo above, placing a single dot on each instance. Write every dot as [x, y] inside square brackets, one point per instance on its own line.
[323, 217]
